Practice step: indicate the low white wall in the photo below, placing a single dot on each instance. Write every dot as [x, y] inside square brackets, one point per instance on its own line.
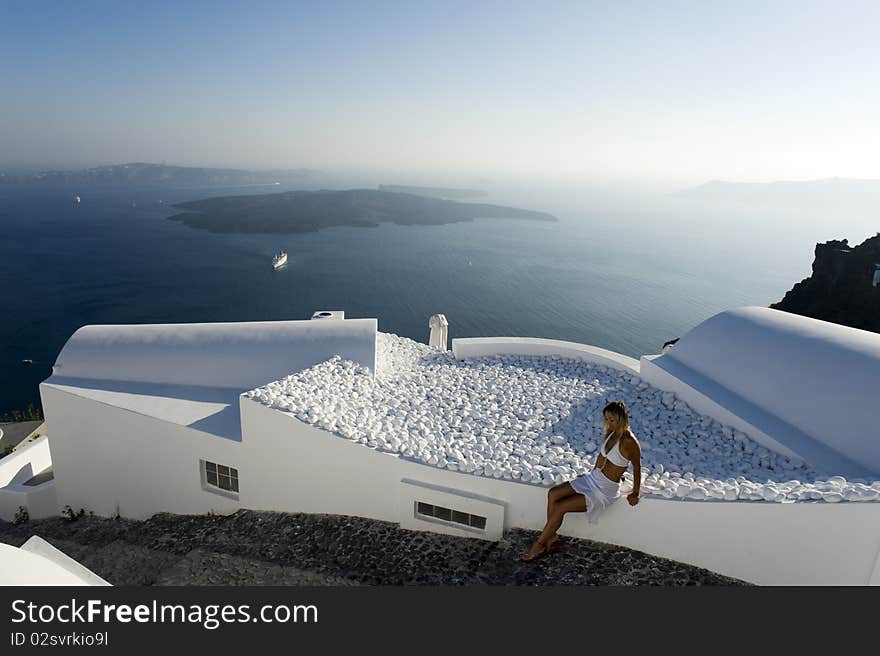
[39, 547]
[40, 501]
[474, 347]
[806, 372]
[107, 459]
[296, 467]
[23, 463]
[233, 355]
[23, 567]
[21, 466]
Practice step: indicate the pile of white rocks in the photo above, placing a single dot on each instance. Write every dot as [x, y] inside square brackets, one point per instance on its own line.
[539, 420]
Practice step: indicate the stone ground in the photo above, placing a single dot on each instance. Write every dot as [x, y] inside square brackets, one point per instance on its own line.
[269, 548]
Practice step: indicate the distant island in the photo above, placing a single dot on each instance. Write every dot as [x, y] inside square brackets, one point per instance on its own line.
[842, 286]
[831, 193]
[310, 211]
[141, 173]
[436, 192]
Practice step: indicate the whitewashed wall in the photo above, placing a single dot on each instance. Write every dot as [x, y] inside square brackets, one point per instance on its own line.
[108, 459]
[18, 467]
[21, 566]
[47, 573]
[296, 467]
[231, 355]
[113, 459]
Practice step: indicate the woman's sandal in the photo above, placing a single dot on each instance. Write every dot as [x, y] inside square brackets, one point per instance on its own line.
[556, 545]
[531, 558]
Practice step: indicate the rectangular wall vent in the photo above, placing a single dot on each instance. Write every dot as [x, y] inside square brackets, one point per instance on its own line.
[449, 515]
[424, 506]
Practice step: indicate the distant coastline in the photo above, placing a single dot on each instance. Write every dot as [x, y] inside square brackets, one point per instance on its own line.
[143, 173]
[309, 211]
[835, 193]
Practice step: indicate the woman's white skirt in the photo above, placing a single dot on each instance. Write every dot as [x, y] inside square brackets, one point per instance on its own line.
[599, 490]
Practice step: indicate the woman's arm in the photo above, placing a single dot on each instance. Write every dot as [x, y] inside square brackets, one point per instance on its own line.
[632, 451]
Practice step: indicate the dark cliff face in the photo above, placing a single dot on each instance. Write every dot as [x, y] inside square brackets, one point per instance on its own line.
[841, 287]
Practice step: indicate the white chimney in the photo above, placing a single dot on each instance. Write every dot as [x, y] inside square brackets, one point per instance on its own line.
[438, 325]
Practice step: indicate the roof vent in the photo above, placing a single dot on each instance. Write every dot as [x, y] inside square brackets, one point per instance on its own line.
[329, 314]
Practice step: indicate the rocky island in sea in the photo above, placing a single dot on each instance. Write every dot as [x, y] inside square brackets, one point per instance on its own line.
[310, 211]
[844, 287]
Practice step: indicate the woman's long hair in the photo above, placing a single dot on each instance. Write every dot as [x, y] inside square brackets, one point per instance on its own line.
[617, 408]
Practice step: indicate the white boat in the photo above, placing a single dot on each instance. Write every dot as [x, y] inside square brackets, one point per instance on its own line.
[279, 259]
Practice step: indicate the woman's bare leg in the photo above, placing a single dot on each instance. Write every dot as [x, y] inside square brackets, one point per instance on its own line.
[558, 493]
[554, 495]
[574, 503]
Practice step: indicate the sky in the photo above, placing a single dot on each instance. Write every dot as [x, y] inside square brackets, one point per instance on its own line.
[667, 93]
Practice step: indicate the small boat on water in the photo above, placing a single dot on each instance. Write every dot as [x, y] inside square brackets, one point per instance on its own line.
[279, 259]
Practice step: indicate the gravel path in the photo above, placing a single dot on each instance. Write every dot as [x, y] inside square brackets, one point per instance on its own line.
[268, 548]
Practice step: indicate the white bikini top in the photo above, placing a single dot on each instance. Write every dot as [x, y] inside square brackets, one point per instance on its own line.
[615, 457]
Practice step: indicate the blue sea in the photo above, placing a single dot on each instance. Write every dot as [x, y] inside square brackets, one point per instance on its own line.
[621, 271]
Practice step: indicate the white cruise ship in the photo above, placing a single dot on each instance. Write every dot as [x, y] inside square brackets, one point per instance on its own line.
[279, 259]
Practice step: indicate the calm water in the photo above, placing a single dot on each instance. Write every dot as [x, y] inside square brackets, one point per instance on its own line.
[622, 273]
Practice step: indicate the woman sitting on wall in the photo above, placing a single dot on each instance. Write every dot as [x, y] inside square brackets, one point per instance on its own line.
[592, 493]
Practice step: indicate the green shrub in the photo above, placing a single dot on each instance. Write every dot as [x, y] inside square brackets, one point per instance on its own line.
[69, 515]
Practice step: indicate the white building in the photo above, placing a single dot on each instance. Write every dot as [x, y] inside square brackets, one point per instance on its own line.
[152, 418]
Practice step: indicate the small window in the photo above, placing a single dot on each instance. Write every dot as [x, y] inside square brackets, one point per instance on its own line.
[449, 515]
[222, 477]
[211, 473]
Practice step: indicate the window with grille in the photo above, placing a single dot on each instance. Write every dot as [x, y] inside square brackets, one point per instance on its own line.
[221, 477]
[450, 515]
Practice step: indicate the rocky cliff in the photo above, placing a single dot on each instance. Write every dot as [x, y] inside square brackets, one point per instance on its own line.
[841, 288]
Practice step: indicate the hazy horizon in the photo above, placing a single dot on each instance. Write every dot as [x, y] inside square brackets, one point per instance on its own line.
[663, 97]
